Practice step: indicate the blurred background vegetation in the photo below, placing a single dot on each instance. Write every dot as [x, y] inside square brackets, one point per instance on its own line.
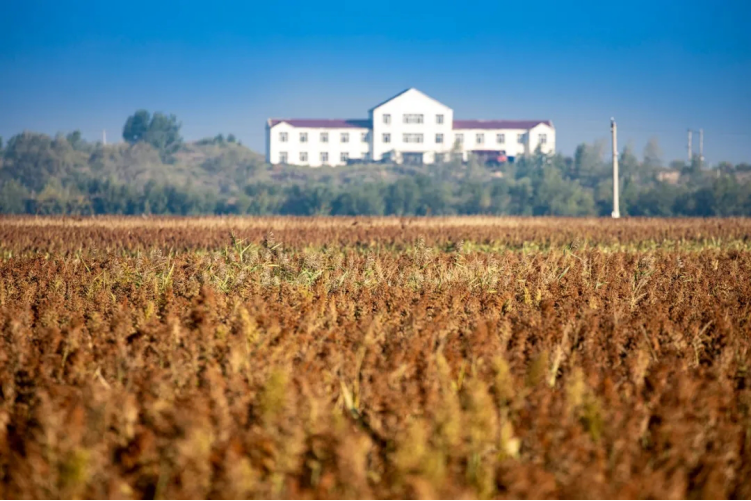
[155, 172]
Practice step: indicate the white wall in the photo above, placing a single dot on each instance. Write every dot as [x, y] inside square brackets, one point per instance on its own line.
[534, 138]
[510, 144]
[355, 147]
[411, 102]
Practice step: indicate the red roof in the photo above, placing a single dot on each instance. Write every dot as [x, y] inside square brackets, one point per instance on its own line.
[336, 123]
[499, 124]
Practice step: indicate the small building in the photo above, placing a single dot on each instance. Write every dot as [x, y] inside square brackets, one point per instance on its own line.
[410, 127]
[669, 176]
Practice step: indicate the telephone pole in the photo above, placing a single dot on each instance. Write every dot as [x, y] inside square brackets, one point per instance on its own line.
[690, 147]
[613, 130]
[104, 137]
[701, 147]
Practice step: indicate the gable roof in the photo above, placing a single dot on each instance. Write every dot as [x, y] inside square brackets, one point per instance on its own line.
[499, 124]
[404, 92]
[323, 123]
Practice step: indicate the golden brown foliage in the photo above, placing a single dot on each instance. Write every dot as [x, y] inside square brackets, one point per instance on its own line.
[319, 358]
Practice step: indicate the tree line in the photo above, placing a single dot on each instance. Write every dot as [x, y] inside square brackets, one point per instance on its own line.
[156, 172]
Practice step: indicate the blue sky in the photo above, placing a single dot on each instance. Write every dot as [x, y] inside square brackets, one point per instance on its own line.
[658, 67]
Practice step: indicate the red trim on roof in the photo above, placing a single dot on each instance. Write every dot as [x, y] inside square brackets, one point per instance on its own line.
[355, 123]
[499, 124]
[323, 123]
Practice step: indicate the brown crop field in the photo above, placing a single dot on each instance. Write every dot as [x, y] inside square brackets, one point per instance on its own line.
[385, 357]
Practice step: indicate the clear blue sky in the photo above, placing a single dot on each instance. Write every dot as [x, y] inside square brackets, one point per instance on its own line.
[658, 67]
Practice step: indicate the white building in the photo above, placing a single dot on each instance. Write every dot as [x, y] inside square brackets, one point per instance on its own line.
[409, 127]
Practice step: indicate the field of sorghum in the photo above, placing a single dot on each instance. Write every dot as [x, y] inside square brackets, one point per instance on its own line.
[387, 357]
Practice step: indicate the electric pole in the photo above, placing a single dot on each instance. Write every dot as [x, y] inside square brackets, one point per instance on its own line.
[690, 148]
[701, 147]
[616, 212]
[104, 137]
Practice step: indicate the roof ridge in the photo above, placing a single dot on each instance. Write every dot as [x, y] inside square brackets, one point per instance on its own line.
[392, 97]
[501, 120]
[469, 123]
[332, 119]
[341, 123]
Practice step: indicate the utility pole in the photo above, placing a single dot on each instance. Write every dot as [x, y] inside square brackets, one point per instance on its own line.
[701, 147]
[616, 212]
[690, 147]
[104, 137]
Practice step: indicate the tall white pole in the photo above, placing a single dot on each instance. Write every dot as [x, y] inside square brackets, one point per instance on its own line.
[690, 146]
[614, 131]
[701, 147]
[104, 137]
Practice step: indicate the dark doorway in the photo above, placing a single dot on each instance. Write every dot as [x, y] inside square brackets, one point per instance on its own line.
[412, 158]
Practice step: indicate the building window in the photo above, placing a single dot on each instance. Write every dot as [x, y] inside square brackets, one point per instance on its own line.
[440, 157]
[303, 137]
[412, 118]
[387, 138]
[520, 138]
[460, 138]
[543, 139]
[324, 157]
[412, 138]
[324, 137]
[282, 157]
[439, 138]
[386, 118]
[439, 119]
[345, 137]
[344, 157]
[500, 138]
[303, 156]
[480, 138]
[364, 137]
[283, 137]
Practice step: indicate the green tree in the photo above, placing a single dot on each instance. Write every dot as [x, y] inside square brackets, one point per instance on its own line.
[653, 154]
[366, 199]
[75, 140]
[558, 196]
[32, 159]
[160, 130]
[729, 197]
[588, 166]
[12, 197]
[657, 201]
[231, 138]
[692, 170]
[164, 133]
[678, 165]
[136, 126]
[307, 201]
[631, 168]
[725, 168]
[402, 197]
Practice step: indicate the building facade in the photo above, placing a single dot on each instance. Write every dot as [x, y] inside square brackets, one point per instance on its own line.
[410, 127]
